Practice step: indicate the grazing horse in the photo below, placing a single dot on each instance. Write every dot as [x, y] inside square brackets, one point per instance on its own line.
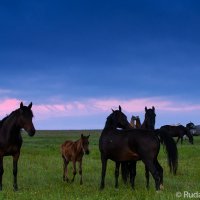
[178, 131]
[133, 145]
[11, 139]
[74, 151]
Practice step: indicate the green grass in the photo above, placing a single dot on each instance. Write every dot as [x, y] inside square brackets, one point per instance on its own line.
[40, 172]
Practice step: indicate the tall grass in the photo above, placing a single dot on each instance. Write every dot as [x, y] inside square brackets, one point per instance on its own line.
[40, 172]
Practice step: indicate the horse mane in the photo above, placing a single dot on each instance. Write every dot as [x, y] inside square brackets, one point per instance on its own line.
[109, 121]
[6, 117]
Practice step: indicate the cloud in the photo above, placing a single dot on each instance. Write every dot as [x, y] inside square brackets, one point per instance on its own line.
[97, 106]
[8, 105]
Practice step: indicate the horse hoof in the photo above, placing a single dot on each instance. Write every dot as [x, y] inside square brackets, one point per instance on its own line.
[101, 187]
[161, 187]
[15, 189]
[158, 191]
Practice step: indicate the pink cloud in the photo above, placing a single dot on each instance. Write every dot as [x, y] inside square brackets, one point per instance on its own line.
[8, 105]
[97, 106]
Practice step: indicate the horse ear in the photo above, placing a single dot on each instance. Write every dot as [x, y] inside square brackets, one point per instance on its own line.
[21, 105]
[30, 105]
[112, 110]
[153, 108]
[81, 135]
[120, 109]
[145, 109]
[88, 136]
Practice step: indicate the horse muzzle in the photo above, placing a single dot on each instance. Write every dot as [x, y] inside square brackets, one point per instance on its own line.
[87, 152]
[31, 132]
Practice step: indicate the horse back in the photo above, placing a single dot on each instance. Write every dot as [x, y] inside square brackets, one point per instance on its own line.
[130, 144]
[174, 131]
[70, 151]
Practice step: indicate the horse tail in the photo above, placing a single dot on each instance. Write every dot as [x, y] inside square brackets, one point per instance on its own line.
[171, 148]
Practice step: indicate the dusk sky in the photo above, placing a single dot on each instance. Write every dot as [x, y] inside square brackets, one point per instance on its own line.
[75, 60]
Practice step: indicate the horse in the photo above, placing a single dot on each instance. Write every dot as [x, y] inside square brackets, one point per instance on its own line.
[131, 144]
[190, 125]
[135, 121]
[149, 119]
[74, 151]
[11, 139]
[148, 123]
[192, 128]
[178, 131]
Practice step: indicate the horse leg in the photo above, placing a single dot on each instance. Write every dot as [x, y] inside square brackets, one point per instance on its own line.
[74, 170]
[132, 173]
[181, 139]
[160, 170]
[80, 171]
[124, 171]
[117, 165]
[154, 172]
[178, 139]
[1, 171]
[65, 170]
[15, 169]
[147, 177]
[103, 172]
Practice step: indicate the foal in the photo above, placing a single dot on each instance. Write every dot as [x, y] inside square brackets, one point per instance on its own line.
[74, 151]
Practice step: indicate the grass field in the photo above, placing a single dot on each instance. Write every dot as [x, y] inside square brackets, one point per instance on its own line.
[40, 172]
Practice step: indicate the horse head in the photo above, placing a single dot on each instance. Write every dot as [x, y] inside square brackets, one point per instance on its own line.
[117, 119]
[85, 144]
[25, 118]
[150, 118]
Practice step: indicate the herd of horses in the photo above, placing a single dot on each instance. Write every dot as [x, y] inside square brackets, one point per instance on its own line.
[120, 141]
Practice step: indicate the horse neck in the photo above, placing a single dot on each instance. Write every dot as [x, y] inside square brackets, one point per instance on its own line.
[10, 126]
[110, 125]
[79, 147]
[144, 124]
[132, 123]
[138, 123]
[187, 132]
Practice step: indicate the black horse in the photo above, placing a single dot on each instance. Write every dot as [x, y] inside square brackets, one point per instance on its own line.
[178, 131]
[129, 168]
[133, 144]
[149, 119]
[10, 137]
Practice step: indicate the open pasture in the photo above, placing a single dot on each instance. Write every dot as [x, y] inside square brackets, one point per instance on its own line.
[40, 172]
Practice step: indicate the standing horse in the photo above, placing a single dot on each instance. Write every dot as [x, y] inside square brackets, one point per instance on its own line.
[135, 122]
[74, 151]
[133, 144]
[149, 124]
[178, 131]
[149, 119]
[11, 139]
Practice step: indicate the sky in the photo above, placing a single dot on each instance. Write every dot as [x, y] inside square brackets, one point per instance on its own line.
[77, 60]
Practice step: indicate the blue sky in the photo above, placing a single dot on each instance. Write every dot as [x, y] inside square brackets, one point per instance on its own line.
[75, 60]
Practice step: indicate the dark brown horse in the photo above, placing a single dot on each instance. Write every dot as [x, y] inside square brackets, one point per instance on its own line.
[133, 144]
[74, 151]
[178, 131]
[149, 119]
[149, 124]
[11, 139]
